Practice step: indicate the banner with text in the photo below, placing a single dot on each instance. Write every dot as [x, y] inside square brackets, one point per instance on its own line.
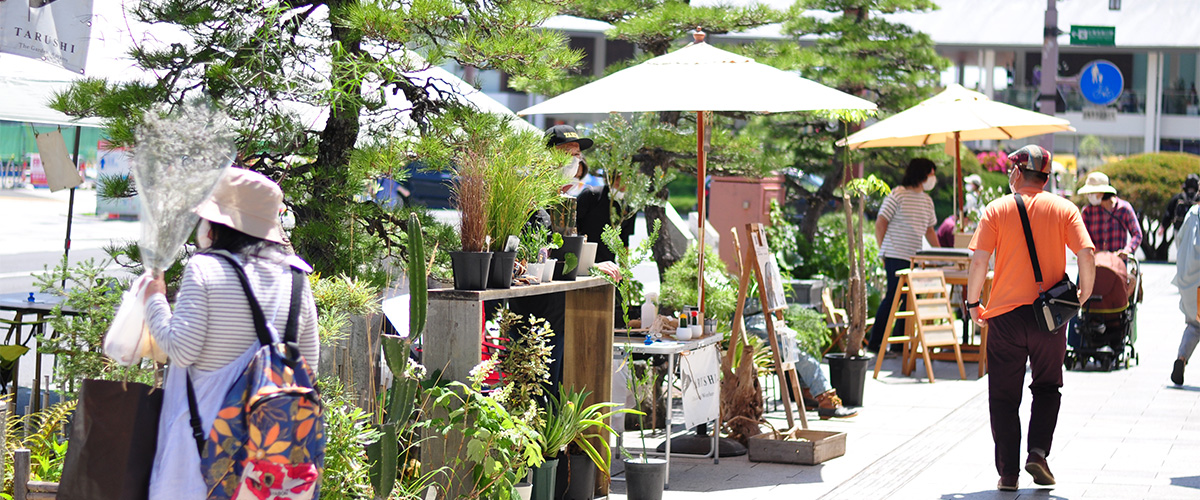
[54, 31]
[701, 373]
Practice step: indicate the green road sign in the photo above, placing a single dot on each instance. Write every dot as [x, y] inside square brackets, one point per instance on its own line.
[1093, 35]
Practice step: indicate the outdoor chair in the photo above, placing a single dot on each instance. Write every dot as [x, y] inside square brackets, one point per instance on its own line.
[836, 320]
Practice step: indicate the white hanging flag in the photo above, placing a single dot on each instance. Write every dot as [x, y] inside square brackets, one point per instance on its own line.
[54, 31]
[700, 371]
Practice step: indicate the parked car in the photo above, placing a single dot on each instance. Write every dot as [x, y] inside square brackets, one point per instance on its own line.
[422, 187]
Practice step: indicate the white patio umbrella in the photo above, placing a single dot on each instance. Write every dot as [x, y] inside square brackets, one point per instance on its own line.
[955, 114]
[700, 78]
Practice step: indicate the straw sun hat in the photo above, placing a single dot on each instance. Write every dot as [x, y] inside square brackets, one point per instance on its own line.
[1096, 182]
[247, 201]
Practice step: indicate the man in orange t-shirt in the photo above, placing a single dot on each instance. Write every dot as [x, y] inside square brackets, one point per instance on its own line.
[1013, 333]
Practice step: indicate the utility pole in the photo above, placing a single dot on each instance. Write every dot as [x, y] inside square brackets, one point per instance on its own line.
[1048, 87]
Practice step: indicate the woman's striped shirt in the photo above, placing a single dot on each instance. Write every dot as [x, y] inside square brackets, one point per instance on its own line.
[909, 212]
[212, 325]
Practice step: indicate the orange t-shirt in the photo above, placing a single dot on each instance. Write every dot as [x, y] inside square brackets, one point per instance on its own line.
[1055, 223]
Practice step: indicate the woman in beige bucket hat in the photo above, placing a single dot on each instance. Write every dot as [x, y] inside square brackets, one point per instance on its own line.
[211, 333]
[1110, 221]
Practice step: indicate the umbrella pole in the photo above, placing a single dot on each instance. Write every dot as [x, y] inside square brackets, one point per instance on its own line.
[70, 210]
[959, 214]
[700, 209]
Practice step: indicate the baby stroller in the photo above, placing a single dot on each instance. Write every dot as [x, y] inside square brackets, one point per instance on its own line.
[1106, 328]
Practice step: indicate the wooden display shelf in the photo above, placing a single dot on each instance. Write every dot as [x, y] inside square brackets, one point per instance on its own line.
[454, 334]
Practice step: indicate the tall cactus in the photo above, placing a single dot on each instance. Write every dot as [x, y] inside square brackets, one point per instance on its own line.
[402, 396]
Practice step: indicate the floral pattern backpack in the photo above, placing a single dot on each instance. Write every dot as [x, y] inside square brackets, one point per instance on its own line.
[268, 439]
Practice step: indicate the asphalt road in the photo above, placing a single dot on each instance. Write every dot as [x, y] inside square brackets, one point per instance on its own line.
[33, 225]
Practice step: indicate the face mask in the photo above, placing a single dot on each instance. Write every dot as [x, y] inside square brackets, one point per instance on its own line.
[930, 183]
[970, 188]
[619, 195]
[204, 234]
[1095, 199]
[571, 168]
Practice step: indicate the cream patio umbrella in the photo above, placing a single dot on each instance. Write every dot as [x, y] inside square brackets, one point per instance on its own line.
[956, 114]
[700, 78]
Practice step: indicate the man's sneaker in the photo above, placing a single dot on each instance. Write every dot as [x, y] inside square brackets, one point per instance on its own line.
[1007, 483]
[1036, 466]
[1177, 373]
[830, 406]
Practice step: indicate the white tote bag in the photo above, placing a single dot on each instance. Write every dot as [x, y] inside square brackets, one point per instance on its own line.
[128, 339]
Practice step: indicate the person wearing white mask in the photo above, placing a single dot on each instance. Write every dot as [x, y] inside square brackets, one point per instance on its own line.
[906, 215]
[566, 139]
[972, 184]
[1110, 221]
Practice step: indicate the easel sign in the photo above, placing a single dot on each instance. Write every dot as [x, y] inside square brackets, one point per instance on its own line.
[761, 262]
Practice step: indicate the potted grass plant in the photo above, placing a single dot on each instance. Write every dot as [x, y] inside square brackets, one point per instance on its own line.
[522, 177]
[470, 190]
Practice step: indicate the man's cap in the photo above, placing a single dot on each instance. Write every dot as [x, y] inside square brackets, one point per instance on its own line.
[1097, 182]
[562, 134]
[973, 179]
[1192, 182]
[1032, 157]
[247, 201]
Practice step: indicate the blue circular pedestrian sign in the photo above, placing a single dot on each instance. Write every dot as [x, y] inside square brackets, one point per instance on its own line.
[1101, 82]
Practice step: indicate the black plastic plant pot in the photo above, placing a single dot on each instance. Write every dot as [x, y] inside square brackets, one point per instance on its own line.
[848, 376]
[543, 480]
[576, 478]
[501, 274]
[572, 245]
[645, 478]
[471, 269]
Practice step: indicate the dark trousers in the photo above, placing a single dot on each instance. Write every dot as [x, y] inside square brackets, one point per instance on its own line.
[890, 265]
[1013, 338]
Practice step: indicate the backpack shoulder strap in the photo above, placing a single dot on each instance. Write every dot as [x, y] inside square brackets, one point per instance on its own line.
[290, 333]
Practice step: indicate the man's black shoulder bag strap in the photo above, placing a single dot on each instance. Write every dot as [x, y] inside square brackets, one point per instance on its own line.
[1037, 268]
[290, 334]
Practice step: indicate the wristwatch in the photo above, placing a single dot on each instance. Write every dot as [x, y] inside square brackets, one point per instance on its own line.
[972, 305]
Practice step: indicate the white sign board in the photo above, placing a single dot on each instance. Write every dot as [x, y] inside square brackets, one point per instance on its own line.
[54, 31]
[700, 371]
[61, 172]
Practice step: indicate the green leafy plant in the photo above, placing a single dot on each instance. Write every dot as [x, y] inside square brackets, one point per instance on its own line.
[535, 238]
[568, 422]
[626, 260]
[78, 340]
[640, 383]
[476, 433]
[618, 141]
[812, 334]
[42, 434]
[525, 363]
[680, 287]
[349, 431]
[337, 299]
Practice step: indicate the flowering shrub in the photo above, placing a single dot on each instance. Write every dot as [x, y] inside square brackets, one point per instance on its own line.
[993, 161]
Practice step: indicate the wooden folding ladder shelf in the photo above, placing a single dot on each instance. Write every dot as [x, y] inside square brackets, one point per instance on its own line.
[930, 321]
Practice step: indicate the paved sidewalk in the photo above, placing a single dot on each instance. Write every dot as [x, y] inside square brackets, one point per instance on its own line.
[1126, 434]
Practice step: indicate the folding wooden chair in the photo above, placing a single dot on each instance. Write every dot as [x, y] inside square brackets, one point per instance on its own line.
[932, 318]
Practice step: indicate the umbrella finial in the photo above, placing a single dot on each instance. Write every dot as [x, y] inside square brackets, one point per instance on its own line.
[698, 35]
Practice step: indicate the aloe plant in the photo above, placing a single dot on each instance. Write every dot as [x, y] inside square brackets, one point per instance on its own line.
[402, 396]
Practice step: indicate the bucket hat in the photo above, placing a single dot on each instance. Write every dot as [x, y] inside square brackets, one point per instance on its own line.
[247, 201]
[562, 134]
[1097, 182]
[1032, 157]
[973, 179]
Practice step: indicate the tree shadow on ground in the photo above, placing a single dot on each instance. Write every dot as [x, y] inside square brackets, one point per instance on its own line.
[1186, 481]
[1040, 493]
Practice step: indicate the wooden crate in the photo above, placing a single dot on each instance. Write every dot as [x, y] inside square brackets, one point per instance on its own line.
[819, 447]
